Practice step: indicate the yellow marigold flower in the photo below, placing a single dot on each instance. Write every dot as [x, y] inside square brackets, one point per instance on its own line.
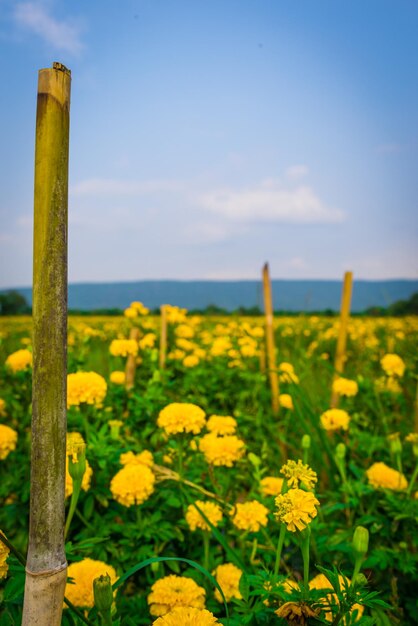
[296, 509]
[389, 384]
[181, 417]
[345, 387]
[139, 308]
[130, 312]
[334, 419]
[123, 347]
[85, 387]
[19, 360]
[287, 373]
[296, 613]
[148, 341]
[143, 458]
[221, 425]
[212, 511]
[8, 441]
[413, 438]
[220, 346]
[133, 484]
[393, 365]
[228, 577]
[4, 553]
[285, 401]
[381, 475]
[85, 483]
[117, 377]
[191, 360]
[173, 592]
[176, 355]
[2, 407]
[221, 450]
[271, 485]
[297, 472]
[187, 617]
[250, 516]
[248, 350]
[321, 582]
[80, 590]
[184, 331]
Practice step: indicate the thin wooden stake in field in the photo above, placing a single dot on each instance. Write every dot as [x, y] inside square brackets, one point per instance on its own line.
[130, 368]
[270, 344]
[46, 568]
[342, 332]
[163, 337]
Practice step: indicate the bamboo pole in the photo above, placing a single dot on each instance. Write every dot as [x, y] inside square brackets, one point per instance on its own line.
[130, 368]
[46, 567]
[340, 356]
[163, 337]
[271, 348]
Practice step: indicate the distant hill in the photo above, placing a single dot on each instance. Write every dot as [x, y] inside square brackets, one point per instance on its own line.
[290, 295]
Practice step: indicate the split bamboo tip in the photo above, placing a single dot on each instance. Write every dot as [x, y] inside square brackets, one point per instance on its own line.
[56, 82]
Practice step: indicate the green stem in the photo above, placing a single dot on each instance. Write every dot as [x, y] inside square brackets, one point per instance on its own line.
[206, 550]
[106, 618]
[73, 505]
[279, 549]
[304, 546]
[254, 550]
[412, 481]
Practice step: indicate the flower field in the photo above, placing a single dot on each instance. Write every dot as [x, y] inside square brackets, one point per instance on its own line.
[195, 500]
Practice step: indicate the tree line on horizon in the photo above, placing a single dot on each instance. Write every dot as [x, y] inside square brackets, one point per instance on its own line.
[14, 303]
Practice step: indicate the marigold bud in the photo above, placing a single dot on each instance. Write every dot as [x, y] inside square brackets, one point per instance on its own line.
[103, 594]
[340, 451]
[77, 462]
[361, 541]
[306, 442]
[361, 580]
[254, 459]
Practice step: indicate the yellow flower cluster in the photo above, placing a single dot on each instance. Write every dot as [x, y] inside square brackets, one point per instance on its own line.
[133, 484]
[8, 441]
[117, 377]
[19, 360]
[287, 373]
[228, 577]
[79, 590]
[345, 387]
[191, 360]
[181, 417]
[174, 591]
[139, 308]
[271, 485]
[123, 347]
[223, 451]
[250, 516]
[334, 419]
[285, 401]
[212, 511]
[296, 508]
[184, 331]
[187, 617]
[221, 425]
[174, 314]
[147, 341]
[297, 472]
[321, 582]
[381, 475]
[4, 553]
[85, 387]
[143, 458]
[393, 365]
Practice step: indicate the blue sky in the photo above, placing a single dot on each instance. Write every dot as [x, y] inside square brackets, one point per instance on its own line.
[209, 137]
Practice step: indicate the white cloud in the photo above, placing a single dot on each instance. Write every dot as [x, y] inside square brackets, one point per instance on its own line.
[271, 201]
[295, 172]
[61, 34]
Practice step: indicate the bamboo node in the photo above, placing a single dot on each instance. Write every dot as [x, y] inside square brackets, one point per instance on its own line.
[47, 572]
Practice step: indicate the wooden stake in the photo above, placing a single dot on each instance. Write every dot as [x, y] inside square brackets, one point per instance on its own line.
[163, 337]
[130, 368]
[270, 344]
[46, 567]
[342, 333]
